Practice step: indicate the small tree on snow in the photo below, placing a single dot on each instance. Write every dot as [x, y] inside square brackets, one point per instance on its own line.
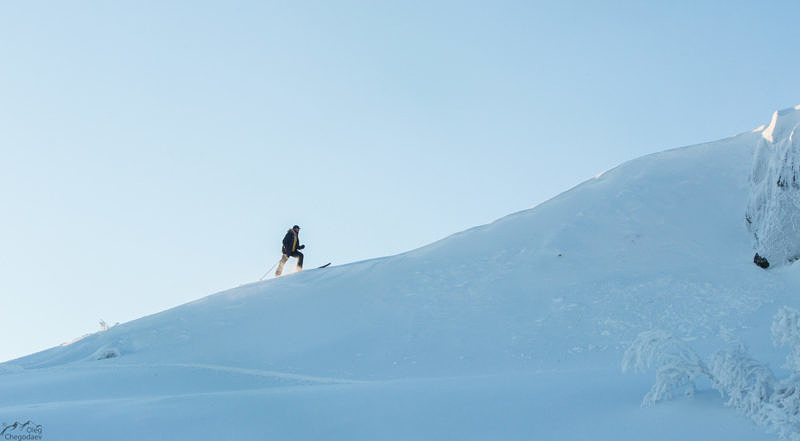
[677, 365]
[747, 382]
[105, 326]
[749, 385]
[786, 332]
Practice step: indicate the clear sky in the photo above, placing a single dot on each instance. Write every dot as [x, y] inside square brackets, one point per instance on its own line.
[155, 152]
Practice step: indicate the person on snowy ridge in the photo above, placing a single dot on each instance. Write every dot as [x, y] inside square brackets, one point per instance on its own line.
[291, 247]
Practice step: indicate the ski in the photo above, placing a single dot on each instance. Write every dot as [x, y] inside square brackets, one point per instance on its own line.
[324, 266]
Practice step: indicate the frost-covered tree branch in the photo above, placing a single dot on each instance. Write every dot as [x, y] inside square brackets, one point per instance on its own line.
[749, 385]
[786, 332]
[677, 365]
[773, 209]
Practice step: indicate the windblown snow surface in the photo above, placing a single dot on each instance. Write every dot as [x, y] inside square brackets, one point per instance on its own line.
[509, 331]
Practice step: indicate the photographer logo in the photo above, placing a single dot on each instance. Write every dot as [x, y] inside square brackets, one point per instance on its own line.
[21, 431]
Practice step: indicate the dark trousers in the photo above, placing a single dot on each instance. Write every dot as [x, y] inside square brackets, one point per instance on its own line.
[299, 256]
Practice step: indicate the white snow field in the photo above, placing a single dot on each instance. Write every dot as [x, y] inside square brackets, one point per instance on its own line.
[509, 331]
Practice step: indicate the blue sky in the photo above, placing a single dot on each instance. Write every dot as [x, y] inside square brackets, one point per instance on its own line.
[156, 152]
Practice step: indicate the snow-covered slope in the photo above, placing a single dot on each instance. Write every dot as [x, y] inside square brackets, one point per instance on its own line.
[512, 330]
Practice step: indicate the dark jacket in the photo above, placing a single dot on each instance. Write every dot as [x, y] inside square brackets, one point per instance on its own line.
[290, 242]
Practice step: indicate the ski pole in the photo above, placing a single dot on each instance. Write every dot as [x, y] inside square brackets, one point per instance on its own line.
[269, 271]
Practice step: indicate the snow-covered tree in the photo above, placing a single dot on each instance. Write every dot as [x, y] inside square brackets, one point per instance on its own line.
[773, 211]
[677, 365]
[786, 332]
[749, 385]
